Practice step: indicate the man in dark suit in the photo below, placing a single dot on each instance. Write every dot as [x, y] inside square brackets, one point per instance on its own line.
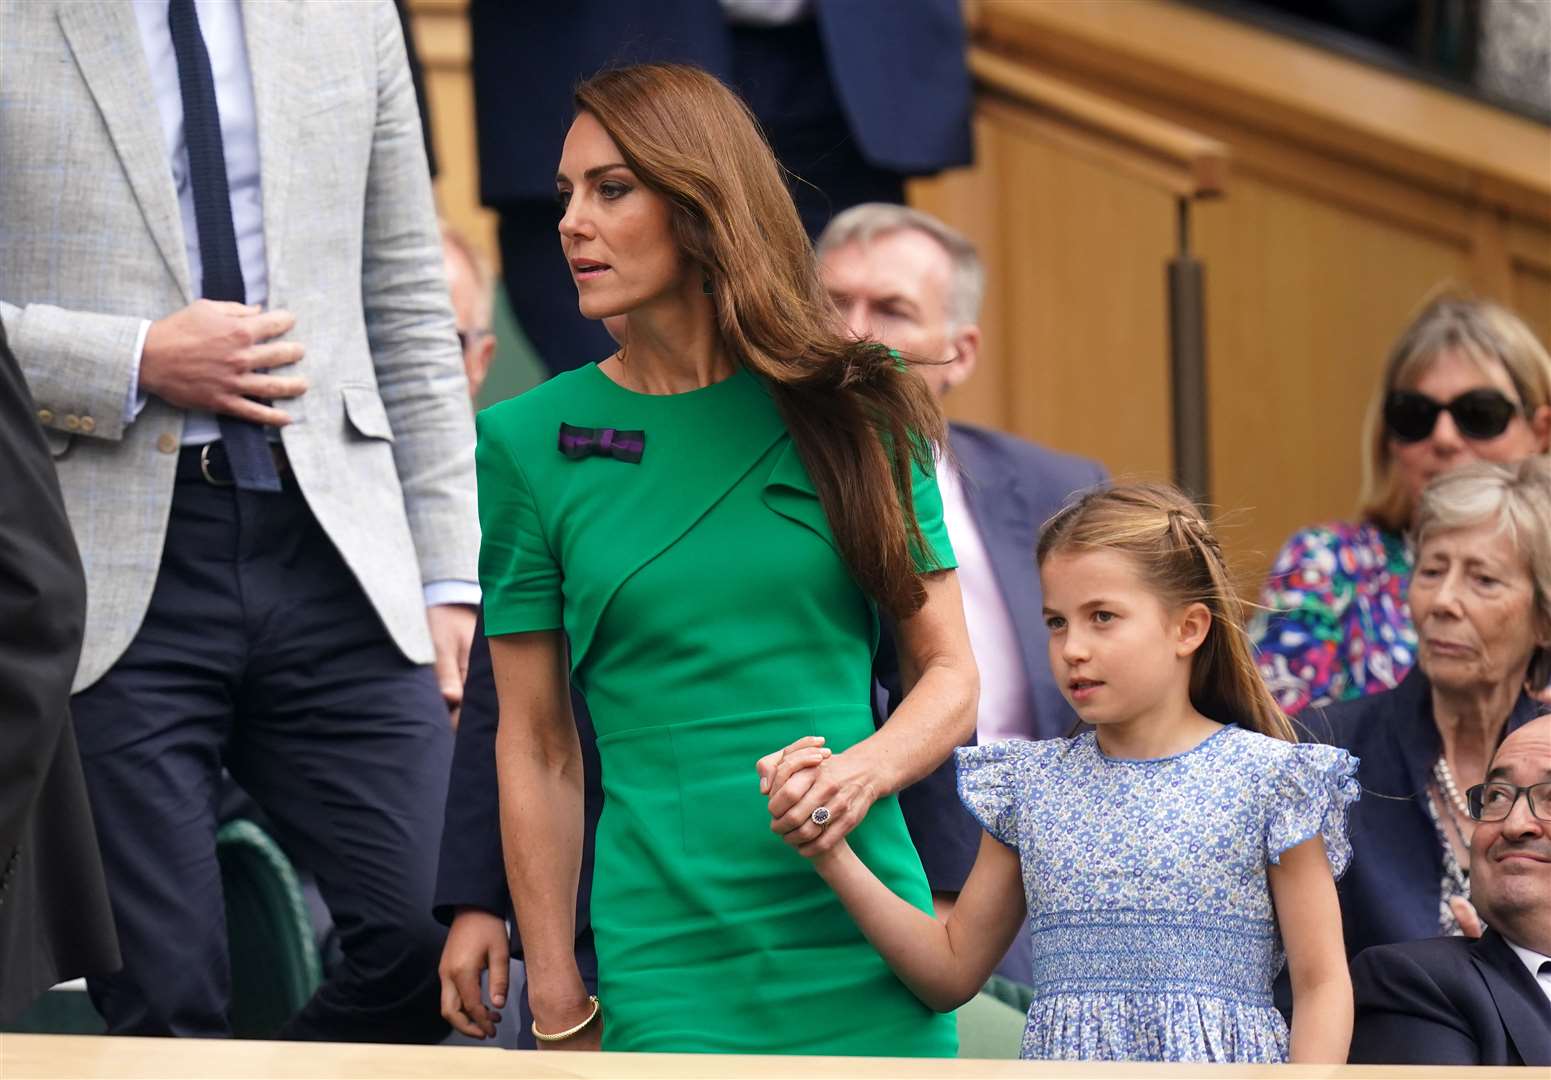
[854, 96]
[1458, 1001]
[55, 923]
[913, 283]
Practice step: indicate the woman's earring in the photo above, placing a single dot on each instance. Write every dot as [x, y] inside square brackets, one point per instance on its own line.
[705, 286]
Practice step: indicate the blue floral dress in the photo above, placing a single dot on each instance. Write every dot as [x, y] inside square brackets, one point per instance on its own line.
[1154, 935]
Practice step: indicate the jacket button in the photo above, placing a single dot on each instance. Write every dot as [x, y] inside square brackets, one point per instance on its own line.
[167, 443]
[45, 417]
[88, 425]
[72, 422]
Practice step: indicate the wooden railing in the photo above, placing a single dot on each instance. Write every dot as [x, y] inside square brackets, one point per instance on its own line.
[1157, 151]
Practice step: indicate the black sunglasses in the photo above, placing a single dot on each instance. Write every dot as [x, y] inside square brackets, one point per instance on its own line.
[1479, 414]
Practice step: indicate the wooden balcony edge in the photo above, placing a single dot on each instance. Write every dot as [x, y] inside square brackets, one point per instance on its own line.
[1202, 63]
[1189, 164]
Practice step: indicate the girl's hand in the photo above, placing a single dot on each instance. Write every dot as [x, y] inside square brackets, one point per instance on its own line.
[777, 768]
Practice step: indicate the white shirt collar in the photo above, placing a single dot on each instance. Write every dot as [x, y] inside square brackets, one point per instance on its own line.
[1533, 960]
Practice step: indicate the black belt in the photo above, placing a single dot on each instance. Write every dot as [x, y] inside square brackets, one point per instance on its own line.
[209, 464]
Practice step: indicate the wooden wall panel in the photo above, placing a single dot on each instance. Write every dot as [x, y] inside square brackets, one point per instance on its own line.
[1076, 350]
[1353, 194]
[1532, 300]
[1304, 300]
[441, 33]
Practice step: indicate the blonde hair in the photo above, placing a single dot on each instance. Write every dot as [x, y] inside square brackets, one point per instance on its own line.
[1487, 334]
[1518, 499]
[1173, 547]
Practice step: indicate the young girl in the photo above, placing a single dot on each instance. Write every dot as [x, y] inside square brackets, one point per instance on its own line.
[1169, 855]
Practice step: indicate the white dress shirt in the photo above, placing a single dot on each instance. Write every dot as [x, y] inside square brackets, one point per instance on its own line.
[1005, 711]
[220, 24]
[1539, 965]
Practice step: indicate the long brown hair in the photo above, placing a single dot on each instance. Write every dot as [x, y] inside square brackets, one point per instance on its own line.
[1172, 546]
[856, 418]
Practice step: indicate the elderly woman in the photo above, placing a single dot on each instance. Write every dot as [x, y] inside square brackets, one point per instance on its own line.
[1481, 598]
[1467, 381]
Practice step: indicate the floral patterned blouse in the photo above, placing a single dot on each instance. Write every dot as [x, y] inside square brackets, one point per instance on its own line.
[1336, 624]
[1152, 928]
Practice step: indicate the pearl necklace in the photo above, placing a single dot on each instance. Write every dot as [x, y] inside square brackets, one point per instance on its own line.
[1445, 777]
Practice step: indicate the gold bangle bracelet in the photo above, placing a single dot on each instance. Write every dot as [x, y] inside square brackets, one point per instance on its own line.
[561, 1036]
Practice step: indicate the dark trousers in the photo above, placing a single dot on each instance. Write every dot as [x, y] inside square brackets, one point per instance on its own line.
[783, 75]
[260, 651]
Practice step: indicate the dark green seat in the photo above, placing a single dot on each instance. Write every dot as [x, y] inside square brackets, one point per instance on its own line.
[1013, 993]
[989, 1028]
[64, 1010]
[275, 965]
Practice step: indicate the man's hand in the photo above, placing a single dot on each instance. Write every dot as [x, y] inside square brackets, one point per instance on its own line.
[207, 355]
[476, 942]
[452, 630]
[1465, 914]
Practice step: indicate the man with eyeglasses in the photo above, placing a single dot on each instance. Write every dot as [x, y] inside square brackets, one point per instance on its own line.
[471, 288]
[1482, 1001]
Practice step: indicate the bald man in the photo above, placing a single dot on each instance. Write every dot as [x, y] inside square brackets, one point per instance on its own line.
[1484, 1001]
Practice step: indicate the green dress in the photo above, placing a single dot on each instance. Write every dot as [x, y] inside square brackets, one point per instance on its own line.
[711, 621]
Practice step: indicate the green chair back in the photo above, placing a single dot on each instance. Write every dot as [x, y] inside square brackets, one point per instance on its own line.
[1016, 994]
[274, 958]
[989, 1028]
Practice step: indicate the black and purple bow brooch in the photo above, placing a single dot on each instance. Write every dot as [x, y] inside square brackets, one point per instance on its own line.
[581, 442]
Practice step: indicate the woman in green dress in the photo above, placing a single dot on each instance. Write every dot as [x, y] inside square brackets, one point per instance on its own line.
[699, 531]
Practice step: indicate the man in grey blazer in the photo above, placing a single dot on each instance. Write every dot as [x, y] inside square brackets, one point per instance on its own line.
[222, 277]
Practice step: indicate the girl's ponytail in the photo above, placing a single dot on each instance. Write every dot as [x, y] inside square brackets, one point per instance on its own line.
[1175, 550]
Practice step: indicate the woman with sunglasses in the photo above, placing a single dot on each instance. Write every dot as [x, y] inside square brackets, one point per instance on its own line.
[1481, 597]
[1467, 381]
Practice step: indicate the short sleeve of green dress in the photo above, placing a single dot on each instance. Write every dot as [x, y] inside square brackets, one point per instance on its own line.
[520, 576]
[711, 620]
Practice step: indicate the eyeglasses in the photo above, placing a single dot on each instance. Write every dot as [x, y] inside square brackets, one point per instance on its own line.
[1495, 801]
[1479, 414]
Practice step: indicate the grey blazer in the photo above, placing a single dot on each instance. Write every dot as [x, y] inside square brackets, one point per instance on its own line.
[91, 243]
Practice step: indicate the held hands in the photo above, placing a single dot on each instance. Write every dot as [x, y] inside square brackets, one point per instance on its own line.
[207, 356]
[805, 776]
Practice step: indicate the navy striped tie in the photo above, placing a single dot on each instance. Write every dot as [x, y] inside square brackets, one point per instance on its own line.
[253, 467]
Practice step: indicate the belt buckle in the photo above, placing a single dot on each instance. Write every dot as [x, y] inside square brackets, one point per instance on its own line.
[204, 468]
